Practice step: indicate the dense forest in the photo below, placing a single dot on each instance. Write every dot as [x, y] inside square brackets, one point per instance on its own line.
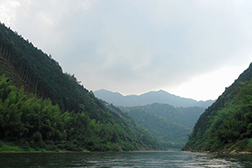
[42, 107]
[171, 125]
[226, 125]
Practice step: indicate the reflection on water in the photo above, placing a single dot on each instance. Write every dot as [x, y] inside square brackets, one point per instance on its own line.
[169, 159]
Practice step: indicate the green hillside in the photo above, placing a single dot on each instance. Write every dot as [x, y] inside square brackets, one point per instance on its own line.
[8, 69]
[54, 111]
[226, 125]
[185, 116]
[170, 125]
[170, 135]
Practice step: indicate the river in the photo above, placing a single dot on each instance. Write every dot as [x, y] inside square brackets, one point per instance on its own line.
[169, 159]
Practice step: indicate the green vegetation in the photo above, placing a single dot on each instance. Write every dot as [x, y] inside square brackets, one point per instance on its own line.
[185, 116]
[227, 124]
[53, 111]
[170, 125]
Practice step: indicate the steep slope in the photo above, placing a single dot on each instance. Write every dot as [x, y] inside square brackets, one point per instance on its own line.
[92, 124]
[8, 69]
[149, 98]
[226, 125]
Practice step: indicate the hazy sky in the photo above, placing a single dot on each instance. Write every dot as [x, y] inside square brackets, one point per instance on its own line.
[191, 48]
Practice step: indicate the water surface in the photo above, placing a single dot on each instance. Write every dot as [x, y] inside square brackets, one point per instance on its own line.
[171, 159]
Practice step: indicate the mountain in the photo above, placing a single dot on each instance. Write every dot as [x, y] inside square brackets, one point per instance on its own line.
[226, 126]
[42, 108]
[160, 96]
[169, 134]
[185, 116]
[171, 125]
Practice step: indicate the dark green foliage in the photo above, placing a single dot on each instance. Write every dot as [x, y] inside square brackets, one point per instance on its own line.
[62, 113]
[33, 122]
[227, 124]
[45, 78]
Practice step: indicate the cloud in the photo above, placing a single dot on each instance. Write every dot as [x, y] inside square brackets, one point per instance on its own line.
[7, 10]
[135, 46]
[202, 89]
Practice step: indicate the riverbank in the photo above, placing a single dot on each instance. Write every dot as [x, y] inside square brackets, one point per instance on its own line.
[230, 152]
[235, 152]
[17, 149]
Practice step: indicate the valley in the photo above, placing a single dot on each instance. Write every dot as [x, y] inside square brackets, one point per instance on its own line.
[43, 109]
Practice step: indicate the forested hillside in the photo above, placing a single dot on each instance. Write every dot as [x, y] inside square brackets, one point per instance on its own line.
[226, 125]
[169, 124]
[54, 111]
[185, 116]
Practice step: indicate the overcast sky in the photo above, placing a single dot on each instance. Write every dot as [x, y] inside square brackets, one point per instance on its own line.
[191, 48]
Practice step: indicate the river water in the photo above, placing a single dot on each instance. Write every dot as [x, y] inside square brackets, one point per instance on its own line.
[170, 159]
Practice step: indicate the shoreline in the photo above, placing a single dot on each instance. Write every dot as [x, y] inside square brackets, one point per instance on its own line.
[17, 149]
[26, 152]
[9, 148]
[227, 152]
[65, 151]
[84, 151]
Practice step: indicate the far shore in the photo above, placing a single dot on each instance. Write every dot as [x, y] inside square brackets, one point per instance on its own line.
[32, 150]
[61, 151]
[229, 152]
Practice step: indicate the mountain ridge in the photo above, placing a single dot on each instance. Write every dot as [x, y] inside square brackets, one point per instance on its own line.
[150, 97]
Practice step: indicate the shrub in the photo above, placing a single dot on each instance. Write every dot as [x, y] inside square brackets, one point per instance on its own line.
[249, 145]
[242, 144]
[61, 146]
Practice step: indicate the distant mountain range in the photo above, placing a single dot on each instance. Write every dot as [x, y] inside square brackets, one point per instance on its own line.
[160, 96]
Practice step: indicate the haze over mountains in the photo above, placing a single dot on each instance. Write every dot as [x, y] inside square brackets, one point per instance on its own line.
[167, 117]
[160, 96]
